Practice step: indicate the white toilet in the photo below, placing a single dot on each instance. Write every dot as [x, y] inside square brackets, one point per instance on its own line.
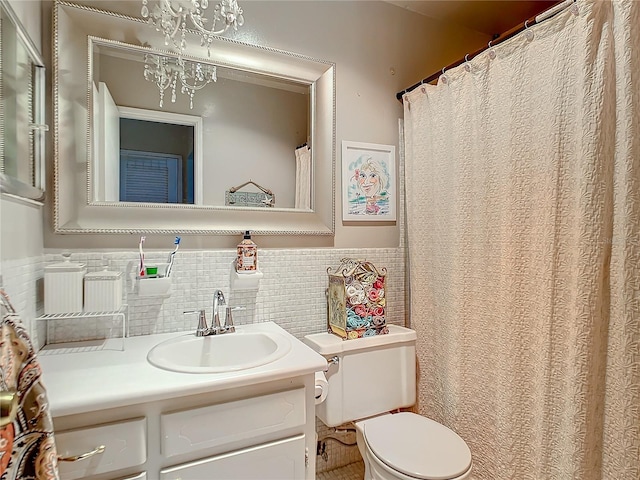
[367, 378]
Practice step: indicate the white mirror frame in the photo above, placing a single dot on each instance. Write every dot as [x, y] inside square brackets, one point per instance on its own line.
[10, 185]
[75, 212]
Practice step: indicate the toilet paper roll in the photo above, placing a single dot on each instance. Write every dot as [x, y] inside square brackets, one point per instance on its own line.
[322, 387]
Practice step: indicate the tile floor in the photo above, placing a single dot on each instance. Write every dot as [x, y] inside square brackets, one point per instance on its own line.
[353, 471]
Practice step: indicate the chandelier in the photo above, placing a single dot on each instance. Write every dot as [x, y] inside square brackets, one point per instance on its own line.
[173, 73]
[170, 18]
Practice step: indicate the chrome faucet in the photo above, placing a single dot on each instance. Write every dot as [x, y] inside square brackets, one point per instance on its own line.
[218, 302]
[203, 329]
[218, 299]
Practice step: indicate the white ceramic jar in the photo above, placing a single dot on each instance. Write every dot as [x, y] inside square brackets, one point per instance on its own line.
[103, 291]
[63, 289]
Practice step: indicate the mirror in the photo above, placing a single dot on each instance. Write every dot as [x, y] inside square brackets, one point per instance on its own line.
[235, 167]
[21, 110]
[252, 126]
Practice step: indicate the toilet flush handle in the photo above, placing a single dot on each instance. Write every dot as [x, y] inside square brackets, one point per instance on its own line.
[335, 360]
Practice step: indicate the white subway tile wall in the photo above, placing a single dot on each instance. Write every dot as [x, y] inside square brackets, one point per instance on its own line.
[23, 280]
[291, 294]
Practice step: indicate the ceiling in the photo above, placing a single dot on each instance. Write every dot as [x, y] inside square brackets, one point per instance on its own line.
[490, 17]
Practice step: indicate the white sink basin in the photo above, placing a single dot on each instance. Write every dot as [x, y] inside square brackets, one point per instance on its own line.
[219, 353]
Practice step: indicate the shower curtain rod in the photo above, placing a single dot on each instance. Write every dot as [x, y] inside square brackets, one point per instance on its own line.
[550, 12]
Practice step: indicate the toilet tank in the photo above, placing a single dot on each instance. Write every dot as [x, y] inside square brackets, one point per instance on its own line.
[373, 374]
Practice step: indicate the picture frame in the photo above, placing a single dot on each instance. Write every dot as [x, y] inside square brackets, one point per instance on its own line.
[369, 182]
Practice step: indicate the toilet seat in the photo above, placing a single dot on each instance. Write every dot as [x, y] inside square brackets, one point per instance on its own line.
[417, 446]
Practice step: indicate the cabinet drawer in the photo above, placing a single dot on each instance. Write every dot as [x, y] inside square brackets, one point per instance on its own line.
[124, 446]
[233, 422]
[281, 460]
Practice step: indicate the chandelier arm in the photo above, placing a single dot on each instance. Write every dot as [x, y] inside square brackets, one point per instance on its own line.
[166, 6]
[203, 30]
[165, 73]
[169, 20]
[164, 86]
[175, 30]
[192, 87]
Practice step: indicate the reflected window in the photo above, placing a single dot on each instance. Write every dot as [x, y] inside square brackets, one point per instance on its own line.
[150, 177]
[156, 162]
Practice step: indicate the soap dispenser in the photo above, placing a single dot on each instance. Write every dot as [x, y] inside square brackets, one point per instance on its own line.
[247, 259]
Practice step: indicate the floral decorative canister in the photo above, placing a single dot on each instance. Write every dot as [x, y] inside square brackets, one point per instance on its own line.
[356, 299]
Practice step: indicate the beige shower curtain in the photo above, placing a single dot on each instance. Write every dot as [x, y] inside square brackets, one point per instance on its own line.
[523, 224]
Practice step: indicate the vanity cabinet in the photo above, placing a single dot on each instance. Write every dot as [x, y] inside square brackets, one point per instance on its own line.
[263, 431]
[156, 423]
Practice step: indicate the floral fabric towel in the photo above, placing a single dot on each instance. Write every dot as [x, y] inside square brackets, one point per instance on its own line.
[27, 447]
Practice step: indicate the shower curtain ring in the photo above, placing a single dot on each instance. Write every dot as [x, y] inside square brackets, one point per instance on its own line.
[466, 63]
[443, 77]
[492, 54]
[528, 33]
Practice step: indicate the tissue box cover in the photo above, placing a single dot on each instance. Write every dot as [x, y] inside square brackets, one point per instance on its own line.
[356, 299]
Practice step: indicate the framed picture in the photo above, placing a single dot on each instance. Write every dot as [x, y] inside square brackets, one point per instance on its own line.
[369, 183]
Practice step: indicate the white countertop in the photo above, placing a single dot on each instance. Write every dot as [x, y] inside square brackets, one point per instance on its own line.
[87, 381]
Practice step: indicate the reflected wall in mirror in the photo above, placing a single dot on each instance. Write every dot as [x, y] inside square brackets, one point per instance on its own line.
[251, 126]
[21, 110]
[246, 127]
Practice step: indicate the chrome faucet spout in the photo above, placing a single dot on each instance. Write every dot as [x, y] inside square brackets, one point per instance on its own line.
[218, 300]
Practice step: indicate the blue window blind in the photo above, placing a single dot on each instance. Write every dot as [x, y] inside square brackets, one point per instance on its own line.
[150, 177]
[190, 176]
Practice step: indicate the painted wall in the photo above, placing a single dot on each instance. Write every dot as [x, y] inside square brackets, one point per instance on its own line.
[21, 222]
[378, 48]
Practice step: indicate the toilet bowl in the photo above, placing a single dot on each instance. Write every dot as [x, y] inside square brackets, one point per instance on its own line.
[371, 376]
[407, 446]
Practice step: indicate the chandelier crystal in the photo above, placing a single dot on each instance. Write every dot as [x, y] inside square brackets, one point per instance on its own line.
[170, 18]
[173, 73]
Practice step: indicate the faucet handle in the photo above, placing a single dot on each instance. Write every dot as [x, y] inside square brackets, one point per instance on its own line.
[228, 324]
[202, 329]
[228, 320]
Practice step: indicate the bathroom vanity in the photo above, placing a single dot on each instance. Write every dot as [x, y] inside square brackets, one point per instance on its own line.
[132, 420]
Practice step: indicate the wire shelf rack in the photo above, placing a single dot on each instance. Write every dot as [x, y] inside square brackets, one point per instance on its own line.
[86, 332]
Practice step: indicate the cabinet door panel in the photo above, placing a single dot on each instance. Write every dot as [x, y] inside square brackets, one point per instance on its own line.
[238, 421]
[281, 460]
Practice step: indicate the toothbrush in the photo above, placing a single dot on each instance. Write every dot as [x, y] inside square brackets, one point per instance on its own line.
[172, 255]
[142, 239]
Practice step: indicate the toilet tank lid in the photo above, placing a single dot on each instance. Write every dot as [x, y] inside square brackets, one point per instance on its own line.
[330, 344]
